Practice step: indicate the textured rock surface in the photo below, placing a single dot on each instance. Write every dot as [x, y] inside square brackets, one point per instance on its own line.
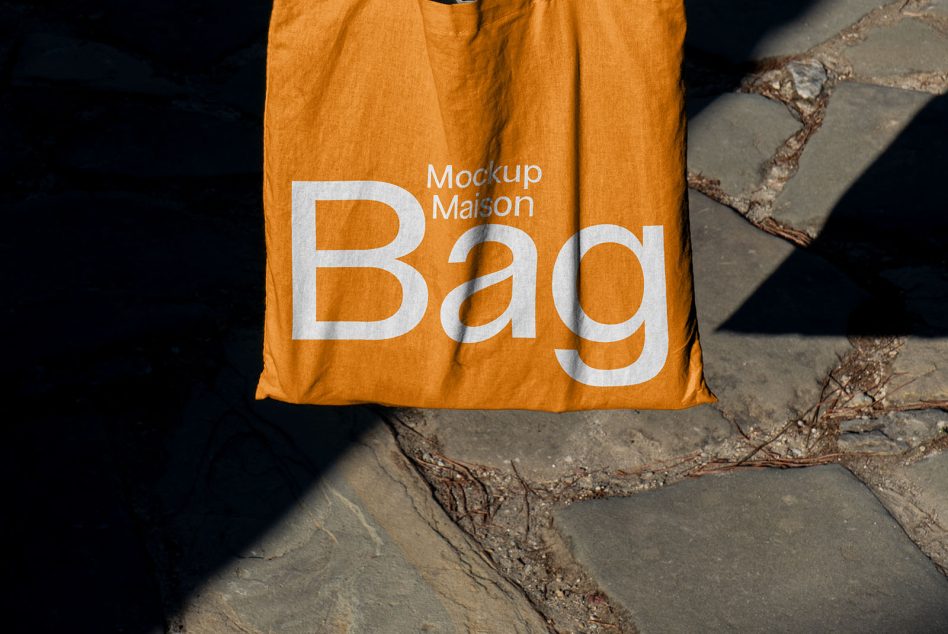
[361, 546]
[772, 318]
[749, 29]
[929, 477]
[744, 551]
[860, 125]
[733, 135]
[916, 492]
[894, 431]
[547, 445]
[935, 7]
[921, 371]
[911, 46]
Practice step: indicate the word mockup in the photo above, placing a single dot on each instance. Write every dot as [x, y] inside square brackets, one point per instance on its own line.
[453, 206]
[520, 312]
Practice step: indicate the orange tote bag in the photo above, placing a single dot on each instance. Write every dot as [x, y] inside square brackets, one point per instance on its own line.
[478, 205]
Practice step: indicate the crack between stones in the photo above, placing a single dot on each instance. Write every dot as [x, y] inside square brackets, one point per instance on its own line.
[483, 582]
[518, 560]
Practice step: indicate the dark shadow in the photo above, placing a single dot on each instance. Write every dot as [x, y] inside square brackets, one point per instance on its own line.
[722, 38]
[731, 30]
[137, 461]
[889, 232]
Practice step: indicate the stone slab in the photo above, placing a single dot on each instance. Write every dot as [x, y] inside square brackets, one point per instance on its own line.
[731, 136]
[920, 371]
[546, 445]
[929, 478]
[894, 431]
[773, 318]
[873, 441]
[935, 7]
[764, 359]
[70, 61]
[744, 30]
[910, 46]
[861, 123]
[869, 189]
[301, 519]
[795, 550]
[914, 487]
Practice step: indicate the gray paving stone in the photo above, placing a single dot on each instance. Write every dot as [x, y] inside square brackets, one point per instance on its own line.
[921, 371]
[760, 377]
[929, 477]
[796, 550]
[873, 441]
[745, 30]
[917, 495]
[894, 431]
[296, 519]
[869, 188]
[731, 136]
[860, 125]
[911, 46]
[64, 60]
[773, 318]
[547, 445]
[935, 7]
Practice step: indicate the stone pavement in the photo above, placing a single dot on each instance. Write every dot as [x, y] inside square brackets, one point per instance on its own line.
[745, 551]
[810, 497]
[365, 548]
[161, 497]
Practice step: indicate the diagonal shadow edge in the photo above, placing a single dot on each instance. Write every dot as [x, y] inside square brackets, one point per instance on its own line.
[888, 233]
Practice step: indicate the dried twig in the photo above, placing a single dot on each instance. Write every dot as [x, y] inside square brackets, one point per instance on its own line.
[613, 626]
[526, 496]
[659, 464]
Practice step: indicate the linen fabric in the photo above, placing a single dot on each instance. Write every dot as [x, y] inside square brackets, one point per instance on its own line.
[478, 205]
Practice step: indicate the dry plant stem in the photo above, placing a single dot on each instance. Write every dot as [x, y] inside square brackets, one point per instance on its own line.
[659, 465]
[776, 228]
[779, 463]
[524, 556]
[526, 497]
